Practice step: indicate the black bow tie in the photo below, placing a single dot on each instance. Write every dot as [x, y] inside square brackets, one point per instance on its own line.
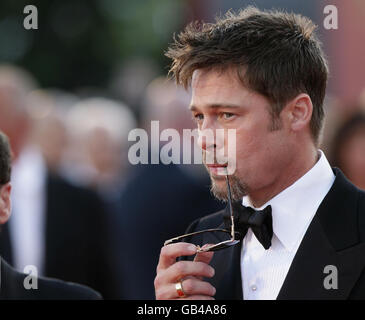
[260, 222]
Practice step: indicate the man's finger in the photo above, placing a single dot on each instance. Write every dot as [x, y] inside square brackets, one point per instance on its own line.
[191, 287]
[183, 269]
[205, 257]
[194, 286]
[170, 252]
[197, 297]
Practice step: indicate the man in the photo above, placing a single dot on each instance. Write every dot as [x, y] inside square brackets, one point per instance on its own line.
[56, 226]
[13, 284]
[264, 75]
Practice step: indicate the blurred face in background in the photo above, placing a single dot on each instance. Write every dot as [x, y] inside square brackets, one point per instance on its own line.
[51, 136]
[103, 152]
[13, 121]
[351, 156]
[97, 153]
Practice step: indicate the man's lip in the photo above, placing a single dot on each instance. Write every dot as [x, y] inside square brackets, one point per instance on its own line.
[217, 165]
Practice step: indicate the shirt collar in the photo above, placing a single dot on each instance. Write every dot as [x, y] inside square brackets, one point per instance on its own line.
[294, 207]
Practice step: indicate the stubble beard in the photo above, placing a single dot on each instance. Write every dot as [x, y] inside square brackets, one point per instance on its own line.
[239, 189]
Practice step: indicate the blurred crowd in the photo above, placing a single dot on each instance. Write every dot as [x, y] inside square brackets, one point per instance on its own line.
[82, 212]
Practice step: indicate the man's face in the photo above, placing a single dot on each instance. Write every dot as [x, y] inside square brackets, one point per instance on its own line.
[220, 101]
[13, 123]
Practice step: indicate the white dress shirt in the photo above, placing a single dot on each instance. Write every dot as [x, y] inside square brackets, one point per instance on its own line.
[263, 271]
[26, 224]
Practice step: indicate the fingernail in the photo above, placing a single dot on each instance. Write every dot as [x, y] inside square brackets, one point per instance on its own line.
[212, 272]
[192, 248]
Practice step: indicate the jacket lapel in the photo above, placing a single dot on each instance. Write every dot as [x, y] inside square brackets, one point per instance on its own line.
[332, 239]
[227, 279]
[227, 265]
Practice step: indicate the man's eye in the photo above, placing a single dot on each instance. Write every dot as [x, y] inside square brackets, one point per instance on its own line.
[198, 117]
[227, 115]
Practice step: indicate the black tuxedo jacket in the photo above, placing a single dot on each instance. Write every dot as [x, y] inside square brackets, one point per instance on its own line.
[12, 288]
[336, 236]
[76, 245]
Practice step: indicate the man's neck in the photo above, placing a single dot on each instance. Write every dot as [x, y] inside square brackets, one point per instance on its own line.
[287, 177]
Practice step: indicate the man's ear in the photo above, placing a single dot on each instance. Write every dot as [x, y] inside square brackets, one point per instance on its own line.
[299, 112]
[5, 202]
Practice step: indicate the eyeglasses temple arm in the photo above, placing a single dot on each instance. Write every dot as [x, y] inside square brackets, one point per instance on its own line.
[191, 234]
[230, 207]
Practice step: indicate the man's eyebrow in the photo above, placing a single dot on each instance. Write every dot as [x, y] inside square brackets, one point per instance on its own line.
[216, 106]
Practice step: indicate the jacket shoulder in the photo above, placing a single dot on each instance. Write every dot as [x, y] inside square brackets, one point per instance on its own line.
[212, 220]
[20, 286]
[361, 213]
[55, 289]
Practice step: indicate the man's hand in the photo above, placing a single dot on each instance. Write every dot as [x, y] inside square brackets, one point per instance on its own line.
[191, 273]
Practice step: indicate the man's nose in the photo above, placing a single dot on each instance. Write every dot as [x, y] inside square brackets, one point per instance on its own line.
[207, 139]
[206, 145]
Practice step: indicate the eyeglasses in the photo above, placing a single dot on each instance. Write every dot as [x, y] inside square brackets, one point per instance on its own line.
[221, 245]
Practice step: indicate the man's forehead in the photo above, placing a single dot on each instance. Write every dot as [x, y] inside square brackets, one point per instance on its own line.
[210, 76]
[217, 88]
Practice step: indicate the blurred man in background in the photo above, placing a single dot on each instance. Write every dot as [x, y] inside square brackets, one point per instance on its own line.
[348, 148]
[14, 284]
[49, 109]
[56, 226]
[97, 157]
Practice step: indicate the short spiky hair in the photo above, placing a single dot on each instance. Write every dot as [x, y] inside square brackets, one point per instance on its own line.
[277, 54]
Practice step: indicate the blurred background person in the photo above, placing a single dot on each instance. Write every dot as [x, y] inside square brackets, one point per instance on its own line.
[96, 158]
[57, 227]
[14, 284]
[348, 148]
[148, 213]
[48, 111]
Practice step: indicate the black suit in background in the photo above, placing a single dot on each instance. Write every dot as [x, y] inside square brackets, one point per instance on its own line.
[12, 288]
[336, 236]
[76, 238]
[158, 203]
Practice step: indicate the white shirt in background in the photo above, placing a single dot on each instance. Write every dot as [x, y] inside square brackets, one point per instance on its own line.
[26, 224]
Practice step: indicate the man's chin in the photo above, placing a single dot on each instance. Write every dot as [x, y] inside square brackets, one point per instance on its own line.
[219, 187]
[217, 177]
